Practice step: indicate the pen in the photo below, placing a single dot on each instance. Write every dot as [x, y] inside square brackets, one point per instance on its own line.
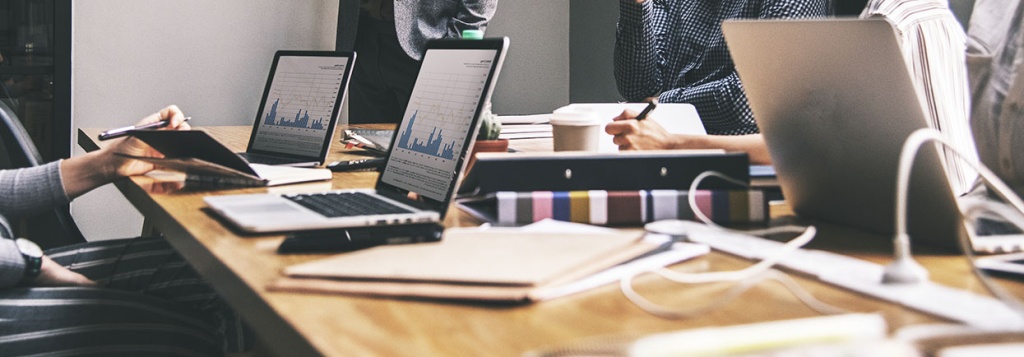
[359, 164]
[119, 132]
[647, 110]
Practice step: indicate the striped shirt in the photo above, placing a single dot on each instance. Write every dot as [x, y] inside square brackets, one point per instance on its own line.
[933, 46]
[151, 301]
[674, 49]
[996, 60]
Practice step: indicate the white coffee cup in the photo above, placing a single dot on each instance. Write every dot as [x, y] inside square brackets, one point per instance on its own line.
[576, 129]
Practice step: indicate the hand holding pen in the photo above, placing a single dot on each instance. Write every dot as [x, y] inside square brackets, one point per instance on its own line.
[119, 152]
[122, 131]
[648, 109]
[631, 132]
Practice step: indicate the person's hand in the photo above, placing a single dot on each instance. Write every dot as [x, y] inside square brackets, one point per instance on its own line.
[121, 166]
[53, 274]
[632, 134]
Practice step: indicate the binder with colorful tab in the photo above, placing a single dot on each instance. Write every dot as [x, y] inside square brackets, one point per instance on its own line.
[617, 208]
[620, 171]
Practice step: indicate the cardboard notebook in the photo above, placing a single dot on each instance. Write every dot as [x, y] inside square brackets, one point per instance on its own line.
[206, 161]
[469, 265]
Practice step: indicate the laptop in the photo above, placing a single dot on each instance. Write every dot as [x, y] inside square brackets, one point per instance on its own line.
[300, 108]
[835, 102]
[430, 148]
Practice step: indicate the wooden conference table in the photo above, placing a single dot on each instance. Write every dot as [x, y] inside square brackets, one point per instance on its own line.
[292, 324]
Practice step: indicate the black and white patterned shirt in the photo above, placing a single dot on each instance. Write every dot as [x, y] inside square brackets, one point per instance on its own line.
[674, 49]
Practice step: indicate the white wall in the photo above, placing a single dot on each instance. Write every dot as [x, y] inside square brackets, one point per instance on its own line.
[211, 57]
[535, 78]
[592, 47]
[133, 57]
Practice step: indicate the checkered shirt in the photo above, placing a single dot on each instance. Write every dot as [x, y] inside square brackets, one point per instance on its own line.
[674, 49]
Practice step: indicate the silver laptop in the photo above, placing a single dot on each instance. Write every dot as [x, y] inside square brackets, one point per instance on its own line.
[456, 78]
[835, 102]
[300, 108]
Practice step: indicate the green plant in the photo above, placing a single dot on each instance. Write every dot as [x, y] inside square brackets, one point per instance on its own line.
[490, 126]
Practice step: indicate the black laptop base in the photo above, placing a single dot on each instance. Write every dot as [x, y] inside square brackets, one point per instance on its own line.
[356, 238]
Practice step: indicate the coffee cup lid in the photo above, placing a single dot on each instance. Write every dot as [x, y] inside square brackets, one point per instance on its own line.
[574, 116]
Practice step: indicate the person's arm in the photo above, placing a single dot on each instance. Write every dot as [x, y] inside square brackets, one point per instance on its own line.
[27, 191]
[722, 105]
[12, 270]
[472, 14]
[631, 134]
[637, 61]
[83, 173]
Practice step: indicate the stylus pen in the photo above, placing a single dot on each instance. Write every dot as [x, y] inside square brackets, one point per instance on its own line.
[119, 132]
[647, 110]
[370, 163]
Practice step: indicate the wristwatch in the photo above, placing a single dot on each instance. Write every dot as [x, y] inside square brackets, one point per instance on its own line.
[33, 257]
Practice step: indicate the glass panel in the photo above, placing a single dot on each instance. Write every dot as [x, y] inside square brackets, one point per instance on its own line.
[26, 67]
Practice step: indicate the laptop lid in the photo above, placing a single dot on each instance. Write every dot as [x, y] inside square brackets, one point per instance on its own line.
[301, 104]
[835, 103]
[438, 130]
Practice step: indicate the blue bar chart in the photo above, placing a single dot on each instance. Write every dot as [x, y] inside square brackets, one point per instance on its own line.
[434, 145]
[301, 119]
[439, 121]
[298, 104]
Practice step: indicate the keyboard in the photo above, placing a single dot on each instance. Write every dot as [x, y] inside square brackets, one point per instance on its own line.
[346, 204]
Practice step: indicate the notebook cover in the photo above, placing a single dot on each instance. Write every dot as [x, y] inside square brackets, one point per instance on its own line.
[474, 257]
[460, 291]
[182, 144]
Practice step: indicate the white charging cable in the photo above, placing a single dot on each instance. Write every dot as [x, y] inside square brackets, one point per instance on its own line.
[746, 277]
[904, 270]
[972, 208]
[626, 285]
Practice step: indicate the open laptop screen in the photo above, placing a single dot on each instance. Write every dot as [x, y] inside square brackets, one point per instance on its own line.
[300, 104]
[430, 144]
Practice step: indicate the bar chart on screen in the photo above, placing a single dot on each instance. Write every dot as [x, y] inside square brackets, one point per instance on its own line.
[299, 103]
[438, 121]
[432, 146]
[301, 119]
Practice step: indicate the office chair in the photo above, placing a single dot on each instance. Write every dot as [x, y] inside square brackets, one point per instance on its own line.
[49, 229]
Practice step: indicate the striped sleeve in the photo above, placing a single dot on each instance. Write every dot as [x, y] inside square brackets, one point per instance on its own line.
[934, 45]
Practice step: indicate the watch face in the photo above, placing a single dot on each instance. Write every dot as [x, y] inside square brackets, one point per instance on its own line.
[28, 248]
[33, 257]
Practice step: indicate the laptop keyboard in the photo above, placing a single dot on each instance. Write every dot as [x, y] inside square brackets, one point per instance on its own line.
[345, 204]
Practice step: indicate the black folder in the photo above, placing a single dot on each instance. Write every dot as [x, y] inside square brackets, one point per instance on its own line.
[574, 171]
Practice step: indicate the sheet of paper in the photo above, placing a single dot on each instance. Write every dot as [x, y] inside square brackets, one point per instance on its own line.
[676, 118]
[524, 119]
[525, 131]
